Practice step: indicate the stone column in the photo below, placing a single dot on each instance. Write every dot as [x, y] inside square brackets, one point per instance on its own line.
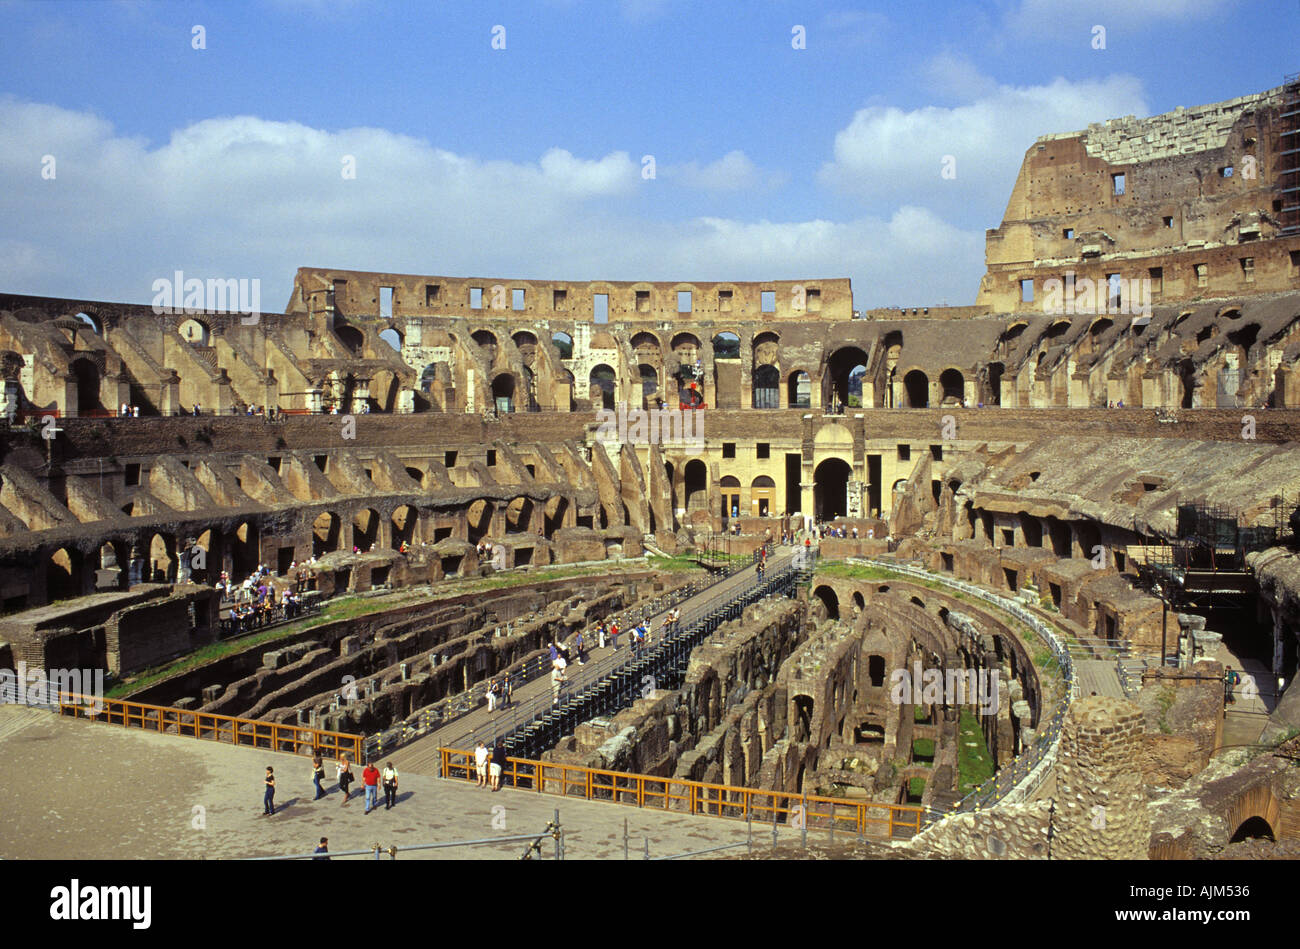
[1101, 806]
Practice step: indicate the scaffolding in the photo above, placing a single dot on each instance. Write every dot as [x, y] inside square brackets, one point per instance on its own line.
[1288, 158]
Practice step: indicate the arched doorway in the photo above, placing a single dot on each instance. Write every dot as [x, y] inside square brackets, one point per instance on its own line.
[953, 384]
[697, 485]
[87, 376]
[503, 393]
[917, 386]
[830, 600]
[767, 388]
[800, 390]
[325, 534]
[844, 374]
[601, 386]
[762, 494]
[730, 489]
[365, 529]
[831, 488]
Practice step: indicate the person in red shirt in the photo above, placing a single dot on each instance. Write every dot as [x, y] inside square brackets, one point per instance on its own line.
[370, 777]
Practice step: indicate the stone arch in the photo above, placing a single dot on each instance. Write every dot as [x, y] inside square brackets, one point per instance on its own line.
[88, 381]
[799, 390]
[406, 523]
[195, 331]
[63, 574]
[649, 376]
[602, 385]
[162, 558]
[830, 488]
[384, 386]
[519, 515]
[726, 345]
[503, 393]
[325, 534]
[845, 371]
[829, 599]
[393, 337]
[696, 487]
[365, 529]
[563, 342]
[353, 340]
[952, 386]
[478, 519]
[916, 385]
[767, 387]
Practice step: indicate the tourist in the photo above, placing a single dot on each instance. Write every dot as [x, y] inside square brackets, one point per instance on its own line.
[492, 696]
[322, 848]
[345, 777]
[390, 786]
[481, 762]
[508, 689]
[578, 647]
[268, 800]
[601, 633]
[557, 684]
[317, 775]
[498, 764]
[370, 778]
[613, 635]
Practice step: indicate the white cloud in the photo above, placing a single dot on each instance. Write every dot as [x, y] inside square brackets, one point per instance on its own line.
[732, 172]
[246, 197]
[887, 152]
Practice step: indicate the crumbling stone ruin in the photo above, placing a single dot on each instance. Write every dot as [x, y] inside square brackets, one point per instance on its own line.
[1106, 438]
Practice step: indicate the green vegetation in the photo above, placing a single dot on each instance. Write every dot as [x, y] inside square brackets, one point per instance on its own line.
[1165, 700]
[915, 788]
[974, 764]
[923, 748]
[345, 608]
[920, 713]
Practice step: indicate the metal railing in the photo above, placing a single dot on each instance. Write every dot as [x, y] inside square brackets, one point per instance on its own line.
[699, 798]
[436, 716]
[618, 679]
[553, 829]
[1034, 758]
[273, 736]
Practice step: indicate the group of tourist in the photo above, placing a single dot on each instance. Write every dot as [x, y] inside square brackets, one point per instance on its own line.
[500, 692]
[489, 765]
[483, 548]
[371, 778]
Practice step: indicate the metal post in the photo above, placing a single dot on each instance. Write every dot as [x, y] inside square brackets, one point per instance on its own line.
[625, 856]
[803, 803]
[647, 847]
[557, 833]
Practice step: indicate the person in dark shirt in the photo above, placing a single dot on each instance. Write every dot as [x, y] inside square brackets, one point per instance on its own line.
[498, 764]
[268, 801]
[322, 849]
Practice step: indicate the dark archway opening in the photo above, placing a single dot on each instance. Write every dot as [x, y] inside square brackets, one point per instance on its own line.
[831, 488]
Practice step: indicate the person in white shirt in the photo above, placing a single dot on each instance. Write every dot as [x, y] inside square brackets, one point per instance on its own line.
[480, 763]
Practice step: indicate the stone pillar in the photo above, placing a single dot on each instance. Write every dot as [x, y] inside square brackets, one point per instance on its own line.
[1101, 806]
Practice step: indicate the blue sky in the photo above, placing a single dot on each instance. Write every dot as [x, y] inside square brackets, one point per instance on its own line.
[770, 162]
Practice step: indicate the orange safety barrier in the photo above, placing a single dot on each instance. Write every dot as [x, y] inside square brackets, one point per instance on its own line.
[274, 736]
[864, 818]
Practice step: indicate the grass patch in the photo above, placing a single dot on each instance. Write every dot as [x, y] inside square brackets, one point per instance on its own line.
[344, 608]
[922, 748]
[920, 713]
[974, 765]
[915, 788]
[1165, 700]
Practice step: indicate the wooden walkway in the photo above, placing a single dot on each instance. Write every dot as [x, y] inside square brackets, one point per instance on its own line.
[421, 756]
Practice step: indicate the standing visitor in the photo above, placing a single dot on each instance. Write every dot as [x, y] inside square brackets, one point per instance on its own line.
[322, 848]
[481, 762]
[268, 800]
[317, 775]
[498, 764]
[345, 778]
[390, 786]
[370, 777]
